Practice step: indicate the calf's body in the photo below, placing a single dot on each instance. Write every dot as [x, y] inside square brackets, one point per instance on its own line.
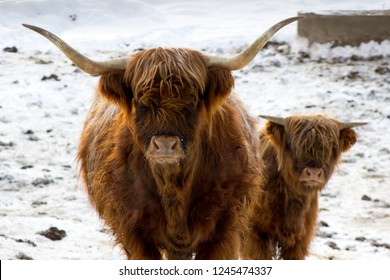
[300, 154]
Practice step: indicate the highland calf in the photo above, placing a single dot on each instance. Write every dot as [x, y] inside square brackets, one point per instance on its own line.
[168, 155]
[300, 154]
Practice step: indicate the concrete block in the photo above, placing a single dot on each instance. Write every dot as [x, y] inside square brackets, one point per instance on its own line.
[345, 27]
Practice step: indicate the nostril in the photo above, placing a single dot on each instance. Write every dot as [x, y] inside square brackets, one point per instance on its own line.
[308, 173]
[319, 174]
[174, 143]
[157, 143]
[170, 144]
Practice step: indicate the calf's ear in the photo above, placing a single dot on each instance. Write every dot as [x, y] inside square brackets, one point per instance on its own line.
[219, 85]
[275, 133]
[348, 138]
[113, 88]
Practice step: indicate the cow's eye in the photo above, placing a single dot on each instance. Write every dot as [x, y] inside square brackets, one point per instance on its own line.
[141, 109]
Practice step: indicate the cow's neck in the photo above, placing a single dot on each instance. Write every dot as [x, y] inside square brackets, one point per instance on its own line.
[169, 178]
[175, 193]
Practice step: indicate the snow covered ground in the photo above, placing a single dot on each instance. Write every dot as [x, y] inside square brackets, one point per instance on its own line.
[44, 99]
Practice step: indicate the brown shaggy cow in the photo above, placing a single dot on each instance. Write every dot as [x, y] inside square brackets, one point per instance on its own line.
[168, 156]
[300, 154]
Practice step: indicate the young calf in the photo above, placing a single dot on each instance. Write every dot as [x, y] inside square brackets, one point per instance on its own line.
[300, 154]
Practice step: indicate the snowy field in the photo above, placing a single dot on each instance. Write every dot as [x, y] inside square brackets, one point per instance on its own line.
[44, 100]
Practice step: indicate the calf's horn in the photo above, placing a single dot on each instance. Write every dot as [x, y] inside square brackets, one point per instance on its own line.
[276, 120]
[345, 125]
[94, 68]
[242, 59]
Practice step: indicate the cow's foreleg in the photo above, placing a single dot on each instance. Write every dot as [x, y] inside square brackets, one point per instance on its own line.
[296, 252]
[137, 247]
[226, 247]
[257, 246]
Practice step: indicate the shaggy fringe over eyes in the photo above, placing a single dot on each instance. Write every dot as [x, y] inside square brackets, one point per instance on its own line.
[313, 137]
[168, 72]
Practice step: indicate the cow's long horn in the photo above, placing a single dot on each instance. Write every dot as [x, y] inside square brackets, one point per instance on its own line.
[95, 68]
[345, 125]
[276, 120]
[242, 59]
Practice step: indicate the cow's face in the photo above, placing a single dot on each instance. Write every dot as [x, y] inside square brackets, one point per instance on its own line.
[309, 147]
[168, 95]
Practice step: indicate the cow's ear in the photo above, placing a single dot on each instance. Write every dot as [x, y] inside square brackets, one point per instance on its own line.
[219, 85]
[348, 138]
[275, 133]
[114, 89]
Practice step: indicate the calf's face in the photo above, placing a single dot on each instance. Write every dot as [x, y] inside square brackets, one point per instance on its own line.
[309, 147]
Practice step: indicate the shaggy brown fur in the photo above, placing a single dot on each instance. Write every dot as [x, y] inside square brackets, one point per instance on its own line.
[196, 206]
[286, 214]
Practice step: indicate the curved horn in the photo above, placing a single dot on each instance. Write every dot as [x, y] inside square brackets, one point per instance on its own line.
[242, 59]
[351, 124]
[94, 68]
[276, 120]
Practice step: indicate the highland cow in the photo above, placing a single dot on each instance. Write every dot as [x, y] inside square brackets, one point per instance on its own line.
[300, 154]
[168, 155]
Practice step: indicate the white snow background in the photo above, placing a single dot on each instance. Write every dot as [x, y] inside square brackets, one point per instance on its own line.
[41, 119]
